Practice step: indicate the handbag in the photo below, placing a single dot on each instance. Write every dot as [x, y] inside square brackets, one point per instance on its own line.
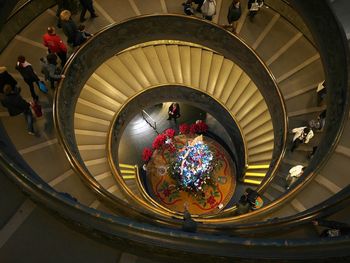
[43, 87]
[36, 109]
[255, 6]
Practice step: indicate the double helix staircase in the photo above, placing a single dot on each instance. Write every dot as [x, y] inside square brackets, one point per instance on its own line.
[290, 56]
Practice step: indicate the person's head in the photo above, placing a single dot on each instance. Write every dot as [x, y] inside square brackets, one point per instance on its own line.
[21, 59]
[81, 27]
[7, 89]
[307, 130]
[235, 1]
[65, 15]
[51, 30]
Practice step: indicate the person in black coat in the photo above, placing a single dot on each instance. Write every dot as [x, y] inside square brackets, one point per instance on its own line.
[174, 111]
[87, 5]
[6, 78]
[69, 27]
[253, 198]
[28, 74]
[233, 15]
[16, 105]
[243, 205]
[189, 225]
[333, 228]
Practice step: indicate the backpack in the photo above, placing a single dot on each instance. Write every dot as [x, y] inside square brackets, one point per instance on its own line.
[234, 13]
[209, 8]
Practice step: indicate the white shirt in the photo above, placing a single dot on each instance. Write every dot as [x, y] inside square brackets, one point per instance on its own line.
[296, 171]
[299, 131]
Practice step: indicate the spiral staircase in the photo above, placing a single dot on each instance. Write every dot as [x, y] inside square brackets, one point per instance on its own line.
[117, 226]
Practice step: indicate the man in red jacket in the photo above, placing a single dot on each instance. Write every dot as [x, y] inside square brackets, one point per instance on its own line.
[55, 44]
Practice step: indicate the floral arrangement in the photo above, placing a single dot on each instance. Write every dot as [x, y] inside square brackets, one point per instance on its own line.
[198, 127]
[192, 165]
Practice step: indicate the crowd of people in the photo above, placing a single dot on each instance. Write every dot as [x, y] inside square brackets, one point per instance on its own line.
[207, 9]
[51, 65]
[303, 135]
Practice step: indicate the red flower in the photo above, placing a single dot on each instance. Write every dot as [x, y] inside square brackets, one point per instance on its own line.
[193, 128]
[211, 200]
[201, 126]
[170, 133]
[146, 154]
[159, 141]
[184, 128]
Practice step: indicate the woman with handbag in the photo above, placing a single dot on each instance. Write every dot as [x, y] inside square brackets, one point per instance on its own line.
[16, 105]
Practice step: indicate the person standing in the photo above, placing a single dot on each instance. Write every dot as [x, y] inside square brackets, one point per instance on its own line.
[16, 105]
[6, 78]
[174, 111]
[301, 135]
[294, 173]
[82, 35]
[243, 206]
[69, 27]
[333, 228]
[189, 225]
[28, 74]
[87, 5]
[253, 198]
[233, 15]
[254, 7]
[208, 9]
[55, 44]
[50, 69]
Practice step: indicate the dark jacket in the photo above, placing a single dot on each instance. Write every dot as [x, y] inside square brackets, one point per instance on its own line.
[175, 112]
[15, 104]
[334, 228]
[51, 71]
[6, 78]
[70, 30]
[27, 72]
[189, 225]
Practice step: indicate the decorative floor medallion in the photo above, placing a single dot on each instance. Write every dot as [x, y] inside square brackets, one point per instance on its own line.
[196, 170]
